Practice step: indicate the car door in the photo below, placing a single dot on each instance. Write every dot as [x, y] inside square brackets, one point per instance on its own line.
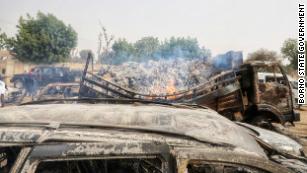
[59, 74]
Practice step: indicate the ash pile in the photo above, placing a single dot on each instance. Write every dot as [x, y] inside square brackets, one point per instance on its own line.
[165, 76]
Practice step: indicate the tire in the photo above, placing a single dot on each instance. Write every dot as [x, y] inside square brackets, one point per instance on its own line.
[262, 121]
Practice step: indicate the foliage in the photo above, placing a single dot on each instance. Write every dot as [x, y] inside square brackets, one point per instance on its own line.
[181, 47]
[43, 39]
[147, 47]
[3, 37]
[289, 51]
[150, 48]
[122, 48]
[263, 55]
[122, 51]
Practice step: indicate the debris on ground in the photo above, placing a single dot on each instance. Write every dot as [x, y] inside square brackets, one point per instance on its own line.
[158, 77]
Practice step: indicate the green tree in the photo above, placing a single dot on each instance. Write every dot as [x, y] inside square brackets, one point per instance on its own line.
[289, 51]
[182, 47]
[263, 55]
[44, 39]
[150, 48]
[121, 51]
[147, 47]
[123, 48]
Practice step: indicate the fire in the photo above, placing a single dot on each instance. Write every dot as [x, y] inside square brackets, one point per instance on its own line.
[161, 89]
[107, 77]
[171, 89]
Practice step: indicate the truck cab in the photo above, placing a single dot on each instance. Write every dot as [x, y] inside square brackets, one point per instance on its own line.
[267, 93]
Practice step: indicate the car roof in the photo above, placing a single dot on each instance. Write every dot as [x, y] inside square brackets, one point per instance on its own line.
[204, 125]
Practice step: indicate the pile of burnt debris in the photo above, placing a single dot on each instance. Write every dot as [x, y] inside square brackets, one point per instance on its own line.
[158, 77]
[164, 76]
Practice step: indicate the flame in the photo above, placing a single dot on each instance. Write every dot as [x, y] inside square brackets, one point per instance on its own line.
[107, 77]
[171, 89]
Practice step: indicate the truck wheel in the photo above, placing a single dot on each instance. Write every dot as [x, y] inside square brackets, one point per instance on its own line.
[18, 84]
[262, 121]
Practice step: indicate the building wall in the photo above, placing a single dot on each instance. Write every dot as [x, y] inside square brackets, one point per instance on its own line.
[9, 66]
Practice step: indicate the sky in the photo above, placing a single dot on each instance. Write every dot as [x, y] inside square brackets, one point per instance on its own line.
[219, 25]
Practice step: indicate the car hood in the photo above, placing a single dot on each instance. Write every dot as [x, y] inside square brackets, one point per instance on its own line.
[201, 124]
[278, 141]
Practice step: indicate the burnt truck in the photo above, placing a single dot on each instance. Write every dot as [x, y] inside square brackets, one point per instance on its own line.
[239, 95]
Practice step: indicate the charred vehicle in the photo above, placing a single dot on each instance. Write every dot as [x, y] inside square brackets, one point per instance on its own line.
[239, 94]
[58, 90]
[43, 75]
[133, 136]
[270, 99]
[244, 95]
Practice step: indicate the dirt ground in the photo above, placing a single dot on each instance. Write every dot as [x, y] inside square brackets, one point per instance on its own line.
[300, 129]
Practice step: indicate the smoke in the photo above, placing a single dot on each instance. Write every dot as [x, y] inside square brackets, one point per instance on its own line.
[164, 76]
[227, 61]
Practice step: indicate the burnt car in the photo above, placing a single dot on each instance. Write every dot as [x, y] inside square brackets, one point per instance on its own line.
[131, 136]
[58, 90]
[43, 75]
